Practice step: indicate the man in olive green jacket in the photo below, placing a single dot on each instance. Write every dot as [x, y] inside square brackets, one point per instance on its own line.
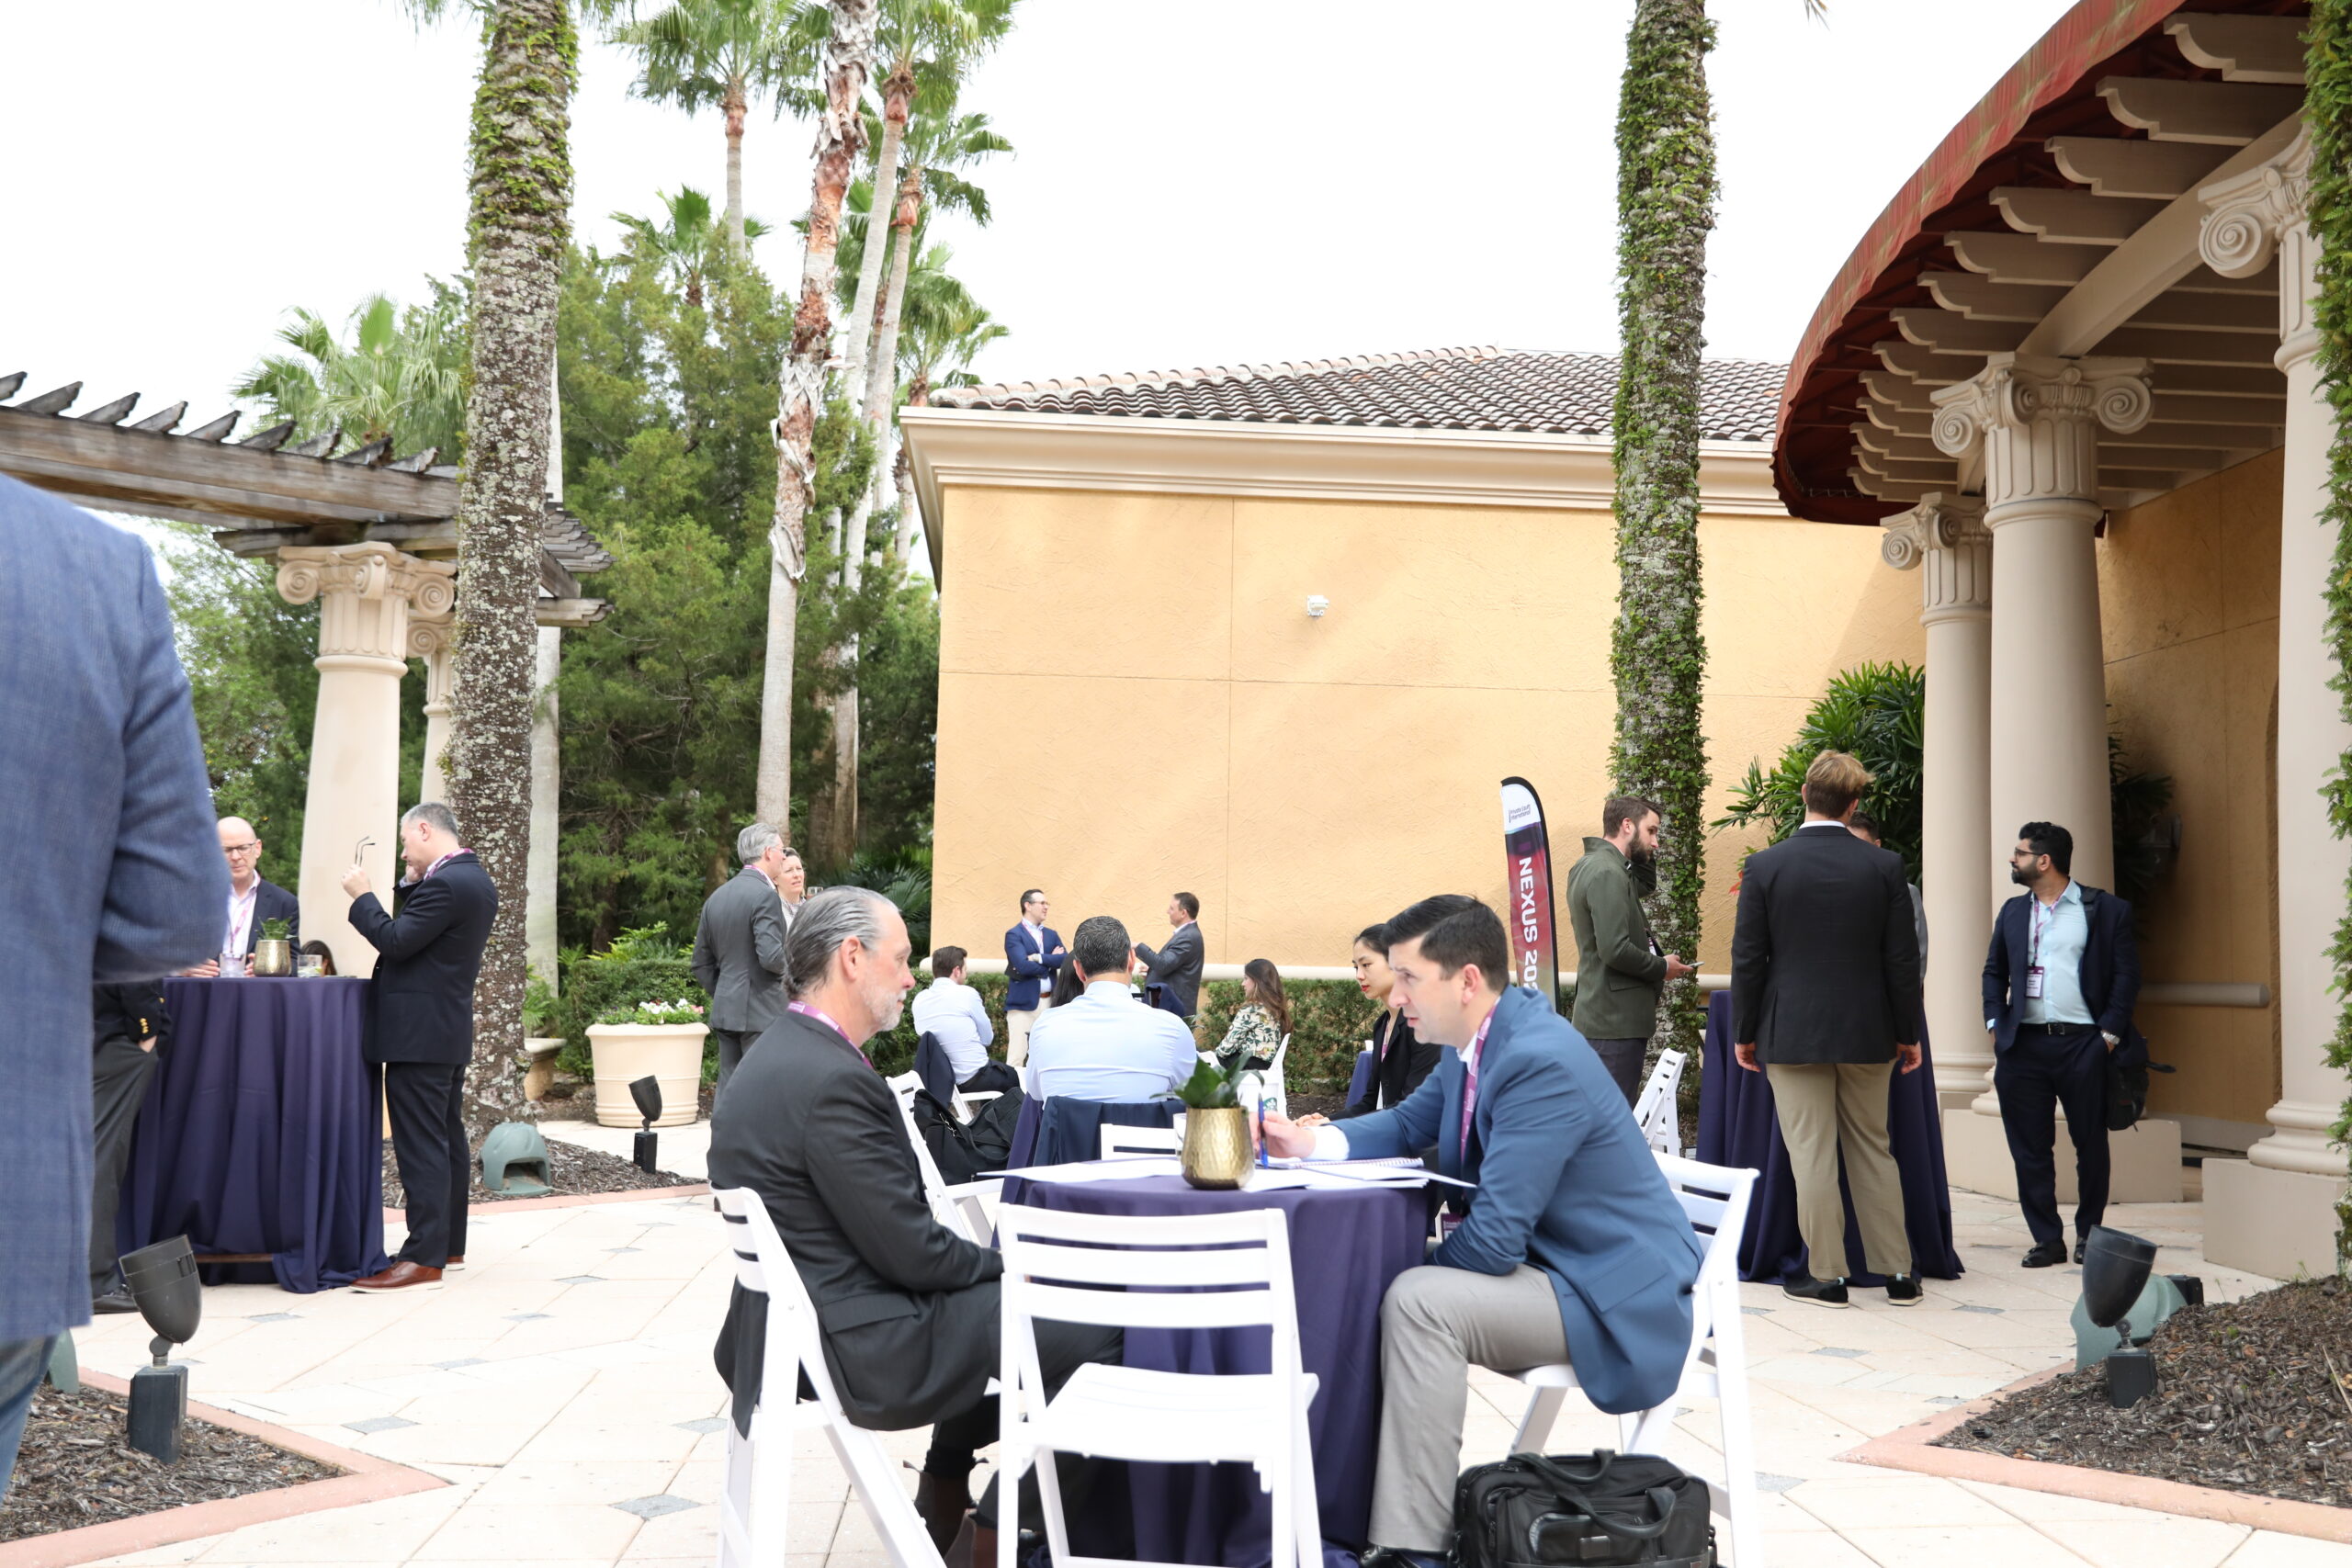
[1619, 968]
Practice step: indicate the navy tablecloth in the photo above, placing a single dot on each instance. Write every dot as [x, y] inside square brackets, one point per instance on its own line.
[1738, 1126]
[260, 1132]
[1345, 1248]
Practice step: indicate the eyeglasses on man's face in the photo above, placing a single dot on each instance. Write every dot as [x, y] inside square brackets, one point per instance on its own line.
[241, 849]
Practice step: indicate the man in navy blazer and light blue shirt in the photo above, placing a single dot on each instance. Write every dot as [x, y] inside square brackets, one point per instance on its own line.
[1573, 1249]
[1032, 950]
[114, 874]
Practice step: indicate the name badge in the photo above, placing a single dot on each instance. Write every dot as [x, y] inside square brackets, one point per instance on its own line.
[2033, 983]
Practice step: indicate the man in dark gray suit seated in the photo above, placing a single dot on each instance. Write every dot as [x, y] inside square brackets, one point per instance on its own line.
[739, 947]
[907, 1307]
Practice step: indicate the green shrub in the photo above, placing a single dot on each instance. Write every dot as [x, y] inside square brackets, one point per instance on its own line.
[642, 966]
[1330, 1022]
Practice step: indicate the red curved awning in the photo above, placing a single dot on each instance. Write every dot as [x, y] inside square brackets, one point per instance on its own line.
[2049, 91]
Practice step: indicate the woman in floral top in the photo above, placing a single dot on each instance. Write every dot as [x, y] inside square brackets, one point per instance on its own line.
[1263, 1020]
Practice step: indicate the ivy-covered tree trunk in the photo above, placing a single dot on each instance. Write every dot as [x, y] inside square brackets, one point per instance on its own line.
[1665, 197]
[519, 223]
[2327, 111]
[840, 135]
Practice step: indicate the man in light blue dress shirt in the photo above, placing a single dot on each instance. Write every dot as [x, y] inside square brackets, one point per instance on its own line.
[1107, 1044]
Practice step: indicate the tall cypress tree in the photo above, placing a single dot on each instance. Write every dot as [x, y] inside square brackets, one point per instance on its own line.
[1666, 200]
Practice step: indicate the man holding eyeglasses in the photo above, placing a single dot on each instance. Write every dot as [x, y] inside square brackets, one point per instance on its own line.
[253, 898]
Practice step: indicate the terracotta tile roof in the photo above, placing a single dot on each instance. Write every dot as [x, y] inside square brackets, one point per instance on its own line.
[1445, 388]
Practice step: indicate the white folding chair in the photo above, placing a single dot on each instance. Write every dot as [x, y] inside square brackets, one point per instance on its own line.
[969, 1105]
[963, 1208]
[1715, 1199]
[1657, 1110]
[1132, 1412]
[1118, 1143]
[756, 1497]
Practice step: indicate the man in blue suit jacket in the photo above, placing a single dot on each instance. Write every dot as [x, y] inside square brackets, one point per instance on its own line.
[1032, 950]
[115, 874]
[2060, 982]
[1573, 1249]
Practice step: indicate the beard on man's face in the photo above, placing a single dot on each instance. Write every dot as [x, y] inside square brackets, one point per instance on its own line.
[1641, 853]
[2023, 875]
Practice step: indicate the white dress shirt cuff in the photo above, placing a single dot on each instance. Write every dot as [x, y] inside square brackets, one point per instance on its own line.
[1329, 1144]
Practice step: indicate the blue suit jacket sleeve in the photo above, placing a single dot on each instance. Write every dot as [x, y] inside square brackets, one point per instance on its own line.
[1022, 964]
[1403, 1128]
[1537, 1125]
[1996, 967]
[164, 893]
[2123, 984]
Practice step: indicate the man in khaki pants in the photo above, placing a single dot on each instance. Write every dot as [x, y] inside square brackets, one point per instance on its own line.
[1825, 983]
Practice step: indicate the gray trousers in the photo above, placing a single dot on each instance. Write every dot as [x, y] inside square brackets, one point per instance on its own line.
[1435, 1322]
[733, 1044]
[1624, 1060]
[1826, 1108]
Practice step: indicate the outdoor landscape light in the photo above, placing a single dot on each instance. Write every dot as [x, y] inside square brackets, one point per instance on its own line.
[515, 1163]
[2115, 1270]
[163, 1280]
[647, 1092]
[1315, 605]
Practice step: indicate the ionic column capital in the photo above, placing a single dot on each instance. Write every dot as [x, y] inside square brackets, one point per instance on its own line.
[2262, 212]
[2036, 418]
[1946, 535]
[434, 640]
[368, 594]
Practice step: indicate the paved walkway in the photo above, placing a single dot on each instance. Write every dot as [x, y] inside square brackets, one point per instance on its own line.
[564, 1385]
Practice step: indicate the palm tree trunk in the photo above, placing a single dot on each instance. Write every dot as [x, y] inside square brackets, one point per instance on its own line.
[841, 134]
[898, 93]
[909, 513]
[520, 223]
[734, 105]
[1665, 195]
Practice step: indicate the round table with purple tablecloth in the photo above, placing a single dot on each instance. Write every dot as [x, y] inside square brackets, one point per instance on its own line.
[1346, 1246]
[259, 1135]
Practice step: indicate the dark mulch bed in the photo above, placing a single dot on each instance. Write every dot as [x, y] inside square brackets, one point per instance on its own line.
[2251, 1396]
[76, 1469]
[571, 1169]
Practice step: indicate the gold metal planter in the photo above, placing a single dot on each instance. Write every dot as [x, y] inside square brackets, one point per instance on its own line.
[273, 956]
[1216, 1148]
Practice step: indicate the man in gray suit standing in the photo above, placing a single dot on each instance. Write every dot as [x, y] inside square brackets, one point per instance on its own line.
[115, 876]
[739, 947]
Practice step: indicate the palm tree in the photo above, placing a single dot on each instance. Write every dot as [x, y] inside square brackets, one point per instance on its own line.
[1666, 199]
[940, 338]
[700, 52]
[400, 377]
[684, 244]
[848, 44]
[937, 39]
[518, 227]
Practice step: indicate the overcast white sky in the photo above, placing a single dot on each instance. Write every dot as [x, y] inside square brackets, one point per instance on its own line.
[1198, 182]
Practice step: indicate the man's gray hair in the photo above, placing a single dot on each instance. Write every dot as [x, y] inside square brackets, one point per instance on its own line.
[826, 921]
[1101, 946]
[753, 841]
[433, 815]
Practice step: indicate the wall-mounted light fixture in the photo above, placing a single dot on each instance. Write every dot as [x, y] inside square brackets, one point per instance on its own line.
[1315, 605]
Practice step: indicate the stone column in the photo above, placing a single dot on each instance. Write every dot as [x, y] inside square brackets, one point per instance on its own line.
[1944, 538]
[435, 641]
[366, 593]
[547, 784]
[2276, 1212]
[2035, 421]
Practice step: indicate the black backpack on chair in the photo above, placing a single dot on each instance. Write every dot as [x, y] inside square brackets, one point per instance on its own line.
[1598, 1510]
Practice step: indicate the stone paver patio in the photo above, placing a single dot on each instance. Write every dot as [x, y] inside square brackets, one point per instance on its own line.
[562, 1386]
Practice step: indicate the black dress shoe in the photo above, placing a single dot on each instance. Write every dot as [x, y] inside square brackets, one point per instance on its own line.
[1903, 1290]
[1820, 1292]
[114, 1301]
[2046, 1254]
[2079, 1243]
[944, 1502]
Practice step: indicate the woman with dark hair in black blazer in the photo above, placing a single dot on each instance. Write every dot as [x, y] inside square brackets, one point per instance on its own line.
[1400, 1061]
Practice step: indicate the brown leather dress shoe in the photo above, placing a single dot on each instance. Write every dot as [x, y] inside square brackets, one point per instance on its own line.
[400, 1277]
[455, 1261]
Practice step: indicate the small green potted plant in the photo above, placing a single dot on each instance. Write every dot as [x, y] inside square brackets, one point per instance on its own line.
[662, 1037]
[1217, 1150]
[274, 950]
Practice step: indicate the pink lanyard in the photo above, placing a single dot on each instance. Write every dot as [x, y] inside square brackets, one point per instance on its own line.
[1470, 1080]
[805, 1011]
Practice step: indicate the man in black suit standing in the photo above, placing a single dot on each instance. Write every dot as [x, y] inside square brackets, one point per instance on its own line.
[739, 947]
[1177, 967]
[420, 1029]
[906, 1308]
[1825, 984]
[2060, 983]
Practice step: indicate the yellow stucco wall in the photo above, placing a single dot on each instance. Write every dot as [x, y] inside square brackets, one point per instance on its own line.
[2188, 601]
[1132, 700]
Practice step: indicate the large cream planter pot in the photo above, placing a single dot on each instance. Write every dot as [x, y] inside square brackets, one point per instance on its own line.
[626, 1052]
